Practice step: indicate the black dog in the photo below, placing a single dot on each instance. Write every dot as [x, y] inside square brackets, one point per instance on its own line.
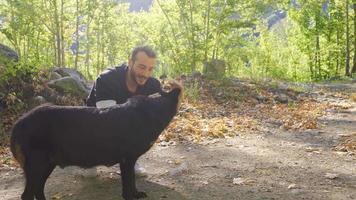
[49, 135]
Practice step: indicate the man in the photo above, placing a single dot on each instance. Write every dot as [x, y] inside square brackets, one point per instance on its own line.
[115, 86]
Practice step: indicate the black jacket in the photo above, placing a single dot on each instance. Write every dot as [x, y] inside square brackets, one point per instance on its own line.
[111, 85]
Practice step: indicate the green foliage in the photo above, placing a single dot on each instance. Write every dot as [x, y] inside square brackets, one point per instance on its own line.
[17, 72]
[191, 92]
[308, 45]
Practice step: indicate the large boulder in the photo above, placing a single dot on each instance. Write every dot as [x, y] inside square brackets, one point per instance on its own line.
[66, 80]
[36, 101]
[7, 55]
[69, 85]
[68, 72]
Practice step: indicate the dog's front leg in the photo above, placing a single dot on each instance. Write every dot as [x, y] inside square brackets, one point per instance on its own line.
[129, 191]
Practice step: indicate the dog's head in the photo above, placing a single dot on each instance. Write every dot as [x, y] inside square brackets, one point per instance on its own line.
[176, 93]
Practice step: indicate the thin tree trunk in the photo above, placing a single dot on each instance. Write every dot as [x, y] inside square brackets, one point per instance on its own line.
[207, 21]
[55, 60]
[87, 50]
[77, 37]
[354, 61]
[318, 55]
[338, 65]
[87, 47]
[62, 34]
[193, 35]
[58, 37]
[98, 48]
[347, 59]
[37, 54]
[311, 66]
[330, 32]
[176, 49]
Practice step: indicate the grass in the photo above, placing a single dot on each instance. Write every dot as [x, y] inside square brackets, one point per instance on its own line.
[191, 92]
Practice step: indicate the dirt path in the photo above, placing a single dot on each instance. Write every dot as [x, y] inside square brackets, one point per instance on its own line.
[270, 165]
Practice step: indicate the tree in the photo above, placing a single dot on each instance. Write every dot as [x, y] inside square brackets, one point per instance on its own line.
[347, 58]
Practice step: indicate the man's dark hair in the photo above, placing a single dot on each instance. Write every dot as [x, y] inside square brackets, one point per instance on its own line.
[147, 49]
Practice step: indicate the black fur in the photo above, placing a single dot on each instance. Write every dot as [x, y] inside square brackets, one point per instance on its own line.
[50, 135]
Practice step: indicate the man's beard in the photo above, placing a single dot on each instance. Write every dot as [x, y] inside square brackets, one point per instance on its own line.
[135, 77]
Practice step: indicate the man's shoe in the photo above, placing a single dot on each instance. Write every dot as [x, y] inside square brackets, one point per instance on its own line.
[91, 172]
[139, 170]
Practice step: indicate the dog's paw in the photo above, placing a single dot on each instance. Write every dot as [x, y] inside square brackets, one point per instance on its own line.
[139, 195]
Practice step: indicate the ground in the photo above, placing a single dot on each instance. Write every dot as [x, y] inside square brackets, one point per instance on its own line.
[270, 163]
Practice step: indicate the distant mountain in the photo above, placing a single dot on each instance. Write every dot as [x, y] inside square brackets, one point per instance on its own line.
[138, 5]
[276, 17]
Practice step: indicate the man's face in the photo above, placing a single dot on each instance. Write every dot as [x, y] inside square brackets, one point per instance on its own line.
[141, 68]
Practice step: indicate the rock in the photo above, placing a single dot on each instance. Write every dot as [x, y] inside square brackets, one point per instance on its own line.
[54, 76]
[68, 72]
[292, 186]
[196, 75]
[282, 98]
[238, 181]
[7, 55]
[36, 101]
[283, 86]
[69, 85]
[205, 182]
[183, 168]
[275, 122]
[331, 176]
[261, 98]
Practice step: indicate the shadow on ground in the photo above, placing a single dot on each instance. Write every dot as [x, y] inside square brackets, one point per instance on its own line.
[79, 186]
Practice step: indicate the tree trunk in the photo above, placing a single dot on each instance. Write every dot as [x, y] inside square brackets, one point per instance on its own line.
[207, 21]
[193, 35]
[55, 52]
[58, 37]
[338, 64]
[311, 66]
[77, 37]
[98, 47]
[176, 49]
[87, 45]
[354, 61]
[87, 49]
[62, 34]
[318, 55]
[347, 59]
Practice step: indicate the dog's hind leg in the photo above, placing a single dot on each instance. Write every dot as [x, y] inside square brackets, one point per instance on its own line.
[129, 191]
[29, 193]
[39, 194]
[37, 170]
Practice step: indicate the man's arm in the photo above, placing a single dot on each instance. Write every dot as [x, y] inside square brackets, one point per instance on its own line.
[104, 96]
[155, 87]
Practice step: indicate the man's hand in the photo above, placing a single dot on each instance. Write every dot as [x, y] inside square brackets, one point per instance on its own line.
[175, 84]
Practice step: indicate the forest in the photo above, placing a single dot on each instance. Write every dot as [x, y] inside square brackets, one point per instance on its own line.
[267, 111]
[289, 40]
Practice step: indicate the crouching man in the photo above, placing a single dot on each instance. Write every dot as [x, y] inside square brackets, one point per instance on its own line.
[115, 86]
